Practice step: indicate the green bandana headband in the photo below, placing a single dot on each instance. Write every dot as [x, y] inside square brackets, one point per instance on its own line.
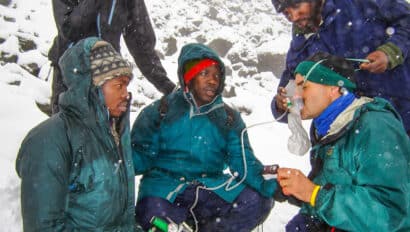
[315, 72]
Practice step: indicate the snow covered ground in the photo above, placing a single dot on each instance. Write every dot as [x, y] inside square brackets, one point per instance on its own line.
[251, 28]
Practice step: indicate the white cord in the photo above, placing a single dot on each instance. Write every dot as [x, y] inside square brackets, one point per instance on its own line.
[229, 181]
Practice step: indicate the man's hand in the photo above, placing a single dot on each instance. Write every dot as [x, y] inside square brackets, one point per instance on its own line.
[281, 99]
[378, 62]
[294, 182]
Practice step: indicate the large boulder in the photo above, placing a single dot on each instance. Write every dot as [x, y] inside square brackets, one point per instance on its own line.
[221, 46]
[269, 62]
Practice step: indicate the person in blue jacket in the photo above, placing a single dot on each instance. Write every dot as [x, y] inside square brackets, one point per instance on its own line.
[76, 168]
[376, 30]
[197, 166]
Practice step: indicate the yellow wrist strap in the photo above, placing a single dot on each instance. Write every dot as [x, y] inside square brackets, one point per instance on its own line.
[314, 194]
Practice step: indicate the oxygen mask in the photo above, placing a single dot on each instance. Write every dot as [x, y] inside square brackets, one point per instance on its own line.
[294, 97]
[298, 142]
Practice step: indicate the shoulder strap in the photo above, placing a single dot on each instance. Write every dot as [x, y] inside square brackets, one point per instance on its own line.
[163, 107]
[230, 118]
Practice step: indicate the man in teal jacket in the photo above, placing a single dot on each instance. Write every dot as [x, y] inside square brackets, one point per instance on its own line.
[76, 167]
[196, 165]
[360, 178]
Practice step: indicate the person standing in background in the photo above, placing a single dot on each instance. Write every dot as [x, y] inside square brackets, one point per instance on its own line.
[378, 31]
[108, 20]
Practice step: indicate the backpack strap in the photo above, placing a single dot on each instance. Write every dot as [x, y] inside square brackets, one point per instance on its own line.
[163, 107]
[230, 116]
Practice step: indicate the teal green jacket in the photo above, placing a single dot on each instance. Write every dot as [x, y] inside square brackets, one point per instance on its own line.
[363, 166]
[192, 145]
[73, 176]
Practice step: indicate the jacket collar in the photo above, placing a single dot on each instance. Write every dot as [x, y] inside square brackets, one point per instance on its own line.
[196, 110]
[347, 115]
[344, 121]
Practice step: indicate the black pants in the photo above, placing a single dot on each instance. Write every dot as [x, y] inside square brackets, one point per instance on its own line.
[213, 213]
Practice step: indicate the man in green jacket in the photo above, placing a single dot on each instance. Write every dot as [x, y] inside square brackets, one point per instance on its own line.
[197, 163]
[76, 167]
[360, 155]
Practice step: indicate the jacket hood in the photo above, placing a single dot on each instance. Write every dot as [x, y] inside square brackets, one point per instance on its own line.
[195, 51]
[76, 71]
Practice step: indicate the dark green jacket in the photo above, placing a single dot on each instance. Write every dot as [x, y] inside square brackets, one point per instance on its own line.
[363, 166]
[192, 145]
[74, 177]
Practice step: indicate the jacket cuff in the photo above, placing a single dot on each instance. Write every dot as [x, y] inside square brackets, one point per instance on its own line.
[394, 54]
[314, 195]
[269, 188]
[167, 88]
[322, 195]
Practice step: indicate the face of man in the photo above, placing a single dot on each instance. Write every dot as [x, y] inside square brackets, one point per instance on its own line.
[116, 95]
[316, 97]
[305, 15]
[204, 85]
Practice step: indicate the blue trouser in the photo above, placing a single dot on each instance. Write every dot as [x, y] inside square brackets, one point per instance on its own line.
[212, 213]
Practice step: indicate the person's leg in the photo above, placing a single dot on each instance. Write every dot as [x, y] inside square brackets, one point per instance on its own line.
[57, 87]
[149, 207]
[244, 214]
[305, 223]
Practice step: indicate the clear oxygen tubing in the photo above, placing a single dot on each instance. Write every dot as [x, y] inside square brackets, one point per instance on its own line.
[235, 175]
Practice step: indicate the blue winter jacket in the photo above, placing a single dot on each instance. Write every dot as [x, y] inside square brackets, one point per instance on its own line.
[194, 145]
[73, 175]
[353, 29]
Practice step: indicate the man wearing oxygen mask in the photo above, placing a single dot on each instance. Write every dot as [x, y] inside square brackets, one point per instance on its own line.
[363, 29]
[360, 177]
[184, 145]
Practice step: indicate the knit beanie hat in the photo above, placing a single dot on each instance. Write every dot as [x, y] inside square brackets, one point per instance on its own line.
[280, 5]
[107, 63]
[326, 69]
[193, 67]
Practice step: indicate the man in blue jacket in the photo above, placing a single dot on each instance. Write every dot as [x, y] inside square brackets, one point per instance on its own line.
[378, 31]
[197, 163]
[76, 167]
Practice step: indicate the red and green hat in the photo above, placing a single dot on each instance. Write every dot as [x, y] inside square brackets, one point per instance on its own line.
[193, 67]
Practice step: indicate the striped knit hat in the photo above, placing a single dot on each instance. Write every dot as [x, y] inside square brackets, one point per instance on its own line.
[106, 63]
